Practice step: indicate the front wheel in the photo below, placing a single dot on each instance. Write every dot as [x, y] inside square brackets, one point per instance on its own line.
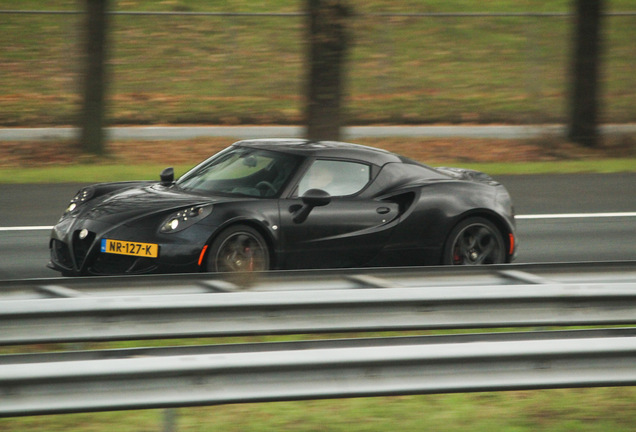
[474, 241]
[238, 249]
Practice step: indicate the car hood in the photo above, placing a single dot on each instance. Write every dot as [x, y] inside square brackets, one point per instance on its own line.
[134, 202]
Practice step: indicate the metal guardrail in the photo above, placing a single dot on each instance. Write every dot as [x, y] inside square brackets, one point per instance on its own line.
[57, 310]
[294, 312]
[300, 280]
[414, 299]
[358, 342]
[316, 373]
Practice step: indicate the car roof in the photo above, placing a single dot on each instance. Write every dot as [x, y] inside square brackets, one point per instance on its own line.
[323, 149]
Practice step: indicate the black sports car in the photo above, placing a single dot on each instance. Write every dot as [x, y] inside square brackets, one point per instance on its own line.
[287, 204]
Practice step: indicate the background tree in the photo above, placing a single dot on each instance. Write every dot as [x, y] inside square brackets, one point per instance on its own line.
[584, 103]
[328, 42]
[93, 110]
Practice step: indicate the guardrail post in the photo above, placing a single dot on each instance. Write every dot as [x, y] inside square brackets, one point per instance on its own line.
[170, 417]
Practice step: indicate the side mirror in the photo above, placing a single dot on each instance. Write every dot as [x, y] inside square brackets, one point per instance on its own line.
[167, 176]
[250, 161]
[316, 198]
[312, 198]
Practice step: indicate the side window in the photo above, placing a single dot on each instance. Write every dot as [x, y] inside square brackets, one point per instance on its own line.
[338, 178]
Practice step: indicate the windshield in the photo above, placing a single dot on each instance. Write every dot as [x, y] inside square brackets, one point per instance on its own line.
[241, 171]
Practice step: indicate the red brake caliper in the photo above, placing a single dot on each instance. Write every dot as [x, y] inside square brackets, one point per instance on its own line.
[250, 265]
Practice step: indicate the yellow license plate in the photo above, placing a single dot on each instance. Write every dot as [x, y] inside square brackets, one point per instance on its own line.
[148, 250]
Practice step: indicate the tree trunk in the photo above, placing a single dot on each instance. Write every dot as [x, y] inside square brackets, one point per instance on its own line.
[584, 103]
[328, 43]
[92, 115]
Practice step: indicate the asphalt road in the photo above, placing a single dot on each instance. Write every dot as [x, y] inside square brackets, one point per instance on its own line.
[559, 220]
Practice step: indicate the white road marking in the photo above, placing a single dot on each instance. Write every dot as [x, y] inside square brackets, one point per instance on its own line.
[577, 215]
[518, 217]
[26, 228]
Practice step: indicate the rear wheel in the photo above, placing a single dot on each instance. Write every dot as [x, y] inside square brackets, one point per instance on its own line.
[238, 249]
[474, 241]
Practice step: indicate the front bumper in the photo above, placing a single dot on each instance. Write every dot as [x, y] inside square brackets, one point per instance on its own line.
[74, 256]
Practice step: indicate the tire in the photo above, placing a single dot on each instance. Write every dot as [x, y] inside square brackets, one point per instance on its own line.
[239, 248]
[474, 241]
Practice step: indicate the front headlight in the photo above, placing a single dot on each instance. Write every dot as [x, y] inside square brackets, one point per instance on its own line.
[80, 198]
[184, 218]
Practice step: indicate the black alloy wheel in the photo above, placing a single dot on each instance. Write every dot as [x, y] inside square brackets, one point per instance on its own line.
[474, 241]
[239, 248]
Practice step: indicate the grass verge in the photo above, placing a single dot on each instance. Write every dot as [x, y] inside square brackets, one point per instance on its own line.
[62, 162]
[581, 410]
[224, 69]
[91, 173]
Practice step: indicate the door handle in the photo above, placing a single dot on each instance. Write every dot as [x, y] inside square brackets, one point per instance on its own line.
[383, 210]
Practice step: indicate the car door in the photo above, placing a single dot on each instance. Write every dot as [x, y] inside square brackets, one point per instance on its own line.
[347, 232]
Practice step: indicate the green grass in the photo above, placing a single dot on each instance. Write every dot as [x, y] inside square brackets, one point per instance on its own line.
[581, 410]
[86, 173]
[239, 69]
[557, 167]
[104, 173]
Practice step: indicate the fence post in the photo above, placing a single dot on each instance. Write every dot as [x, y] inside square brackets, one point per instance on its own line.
[170, 420]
